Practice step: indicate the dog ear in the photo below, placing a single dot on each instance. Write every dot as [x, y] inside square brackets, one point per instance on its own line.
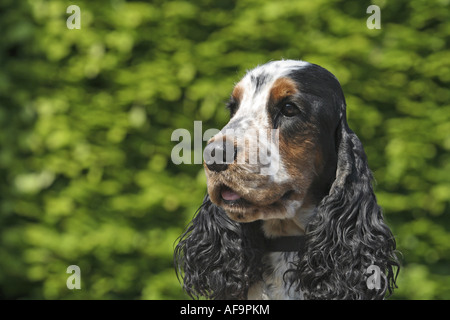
[348, 234]
[214, 256]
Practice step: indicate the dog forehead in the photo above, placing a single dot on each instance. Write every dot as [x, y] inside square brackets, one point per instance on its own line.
[254, 89]
[269, 72]
[259, 80]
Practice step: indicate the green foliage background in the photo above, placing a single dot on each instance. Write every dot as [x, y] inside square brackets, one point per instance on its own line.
[87, 115]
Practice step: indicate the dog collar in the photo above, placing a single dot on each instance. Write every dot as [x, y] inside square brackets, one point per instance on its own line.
[285, 244]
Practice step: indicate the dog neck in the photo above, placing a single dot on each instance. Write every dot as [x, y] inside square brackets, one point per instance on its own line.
[295, 226]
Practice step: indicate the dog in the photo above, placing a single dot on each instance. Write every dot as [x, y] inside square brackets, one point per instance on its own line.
[309, 226]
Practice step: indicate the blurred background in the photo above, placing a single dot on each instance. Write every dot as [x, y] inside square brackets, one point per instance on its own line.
[86, 118]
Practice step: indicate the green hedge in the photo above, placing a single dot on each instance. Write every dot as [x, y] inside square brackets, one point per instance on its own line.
[86, 118]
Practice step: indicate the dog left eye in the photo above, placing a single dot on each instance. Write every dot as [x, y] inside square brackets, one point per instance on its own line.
[289, 110]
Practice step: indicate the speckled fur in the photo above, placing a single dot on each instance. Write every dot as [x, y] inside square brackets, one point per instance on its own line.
[277, 284]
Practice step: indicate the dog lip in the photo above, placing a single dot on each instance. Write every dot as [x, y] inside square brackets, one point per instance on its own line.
[233, 200]
[287, 194]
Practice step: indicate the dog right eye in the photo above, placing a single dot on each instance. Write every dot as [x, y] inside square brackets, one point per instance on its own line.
[289, 110]
[232, 106]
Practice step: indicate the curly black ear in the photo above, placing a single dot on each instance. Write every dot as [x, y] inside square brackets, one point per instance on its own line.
[348, 234]
[214, 257]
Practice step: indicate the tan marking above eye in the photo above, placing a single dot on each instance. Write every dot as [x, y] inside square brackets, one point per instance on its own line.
[283, 87]
[238, 92]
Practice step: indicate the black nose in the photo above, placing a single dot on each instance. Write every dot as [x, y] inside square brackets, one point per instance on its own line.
[219, 154]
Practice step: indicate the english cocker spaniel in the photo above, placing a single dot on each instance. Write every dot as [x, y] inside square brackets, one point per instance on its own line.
[290, 211]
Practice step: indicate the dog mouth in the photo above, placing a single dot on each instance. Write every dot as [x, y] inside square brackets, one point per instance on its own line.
[229, 195]
[232, 199]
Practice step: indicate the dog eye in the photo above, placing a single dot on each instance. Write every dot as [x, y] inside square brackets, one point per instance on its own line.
[232, 107]
[289, 110]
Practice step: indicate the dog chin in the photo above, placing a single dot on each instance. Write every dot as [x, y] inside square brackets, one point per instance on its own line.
[255, 213]
[245, 208]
